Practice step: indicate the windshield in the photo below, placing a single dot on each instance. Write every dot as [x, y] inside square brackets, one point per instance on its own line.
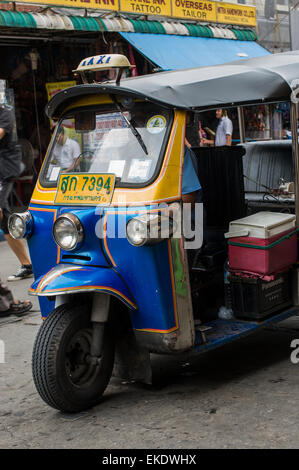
[112, 146]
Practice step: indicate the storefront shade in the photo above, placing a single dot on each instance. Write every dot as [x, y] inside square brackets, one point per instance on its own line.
[265, 79]
[177, 52]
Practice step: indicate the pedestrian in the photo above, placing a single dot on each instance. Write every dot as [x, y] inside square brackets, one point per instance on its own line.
[9, 305]
[224, 130]
[10, 168]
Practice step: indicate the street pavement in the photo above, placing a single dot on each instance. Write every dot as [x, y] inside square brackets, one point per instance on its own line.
[245, 395]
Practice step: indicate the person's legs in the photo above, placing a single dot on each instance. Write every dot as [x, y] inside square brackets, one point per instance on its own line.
[18, 248]
[11, 306]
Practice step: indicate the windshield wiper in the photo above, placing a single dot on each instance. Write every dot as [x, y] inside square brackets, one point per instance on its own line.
[130, 125]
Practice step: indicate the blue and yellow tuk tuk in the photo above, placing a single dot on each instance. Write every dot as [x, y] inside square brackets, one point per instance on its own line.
[114, 285]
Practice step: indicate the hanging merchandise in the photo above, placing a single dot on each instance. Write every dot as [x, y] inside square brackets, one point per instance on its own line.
[2, 91]
[132, 61]
[34, 57]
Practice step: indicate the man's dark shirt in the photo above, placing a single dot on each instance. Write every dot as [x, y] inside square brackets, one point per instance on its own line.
[6, 123]
[10, 153]
[192, 134]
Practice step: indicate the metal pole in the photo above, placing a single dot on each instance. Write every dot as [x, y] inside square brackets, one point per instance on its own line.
[294, 128]
[241, 124]
[290, 26]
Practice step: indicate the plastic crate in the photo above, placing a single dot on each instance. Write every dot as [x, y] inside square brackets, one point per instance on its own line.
[254, 298]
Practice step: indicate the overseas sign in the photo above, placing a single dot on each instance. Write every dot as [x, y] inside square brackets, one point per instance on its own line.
[236, 14]
[194, 10]
[147, 7]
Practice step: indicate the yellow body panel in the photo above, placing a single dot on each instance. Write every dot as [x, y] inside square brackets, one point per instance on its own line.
[166, 187]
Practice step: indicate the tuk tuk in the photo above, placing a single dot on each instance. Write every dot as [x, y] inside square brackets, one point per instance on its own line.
[114, 282]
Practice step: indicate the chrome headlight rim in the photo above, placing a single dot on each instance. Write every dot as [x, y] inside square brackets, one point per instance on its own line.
[153, 226]
[129, 238]
[27, 222]
[78, 231]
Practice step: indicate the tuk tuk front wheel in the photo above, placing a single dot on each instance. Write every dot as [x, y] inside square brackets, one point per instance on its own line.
[62, 374]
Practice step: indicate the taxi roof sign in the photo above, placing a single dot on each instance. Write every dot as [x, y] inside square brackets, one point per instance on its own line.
[103, 62]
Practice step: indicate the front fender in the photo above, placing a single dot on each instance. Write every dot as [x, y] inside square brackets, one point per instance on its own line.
[71, 279]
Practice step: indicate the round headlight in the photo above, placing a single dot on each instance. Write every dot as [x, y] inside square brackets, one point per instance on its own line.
[20, 225]
[68, 231]
[137, 232]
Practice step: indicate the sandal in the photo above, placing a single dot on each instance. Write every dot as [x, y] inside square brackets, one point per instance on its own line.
[17, 309]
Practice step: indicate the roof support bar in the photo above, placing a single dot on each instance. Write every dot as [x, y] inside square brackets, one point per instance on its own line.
[294, 128]
[241, 124]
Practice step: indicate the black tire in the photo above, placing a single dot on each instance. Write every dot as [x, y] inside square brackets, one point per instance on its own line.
[61, 376]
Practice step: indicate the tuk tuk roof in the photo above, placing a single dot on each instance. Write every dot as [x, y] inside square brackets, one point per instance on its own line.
[245, 81]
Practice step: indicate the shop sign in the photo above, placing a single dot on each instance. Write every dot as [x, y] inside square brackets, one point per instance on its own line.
[147, 7]
[194, 10]
[236, 14]
[55, 87]
[99, 4]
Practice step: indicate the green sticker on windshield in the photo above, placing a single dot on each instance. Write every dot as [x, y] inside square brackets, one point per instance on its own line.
[156, 124]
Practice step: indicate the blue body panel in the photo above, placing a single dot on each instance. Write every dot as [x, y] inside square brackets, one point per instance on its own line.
[42, 248]
[148, 273]
[146, 270]
[90, 218]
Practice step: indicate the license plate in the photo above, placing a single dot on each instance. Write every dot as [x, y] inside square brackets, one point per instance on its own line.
[84, 188]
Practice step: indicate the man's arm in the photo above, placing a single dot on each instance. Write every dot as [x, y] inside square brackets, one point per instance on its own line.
[76, 153]
[2, 133]
[228, 131]
[207, 141]
[228, 140]
[189, 197]
[190, 183]
[73, 165]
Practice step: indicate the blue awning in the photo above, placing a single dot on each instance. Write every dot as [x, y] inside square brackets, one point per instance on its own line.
[172, 52]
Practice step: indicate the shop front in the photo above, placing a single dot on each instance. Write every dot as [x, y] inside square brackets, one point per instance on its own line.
[40, 46]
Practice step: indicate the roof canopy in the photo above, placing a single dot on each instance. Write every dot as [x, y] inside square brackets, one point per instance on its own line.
[261, 79]
[172, 52]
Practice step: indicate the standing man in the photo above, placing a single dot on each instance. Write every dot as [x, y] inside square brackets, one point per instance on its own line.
[224, 130]
[10, 167]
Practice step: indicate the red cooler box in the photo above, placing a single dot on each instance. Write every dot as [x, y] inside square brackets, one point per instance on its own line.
[263, 243]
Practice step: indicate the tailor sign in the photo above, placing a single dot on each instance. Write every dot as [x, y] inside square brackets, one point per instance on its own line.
[194, 10]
